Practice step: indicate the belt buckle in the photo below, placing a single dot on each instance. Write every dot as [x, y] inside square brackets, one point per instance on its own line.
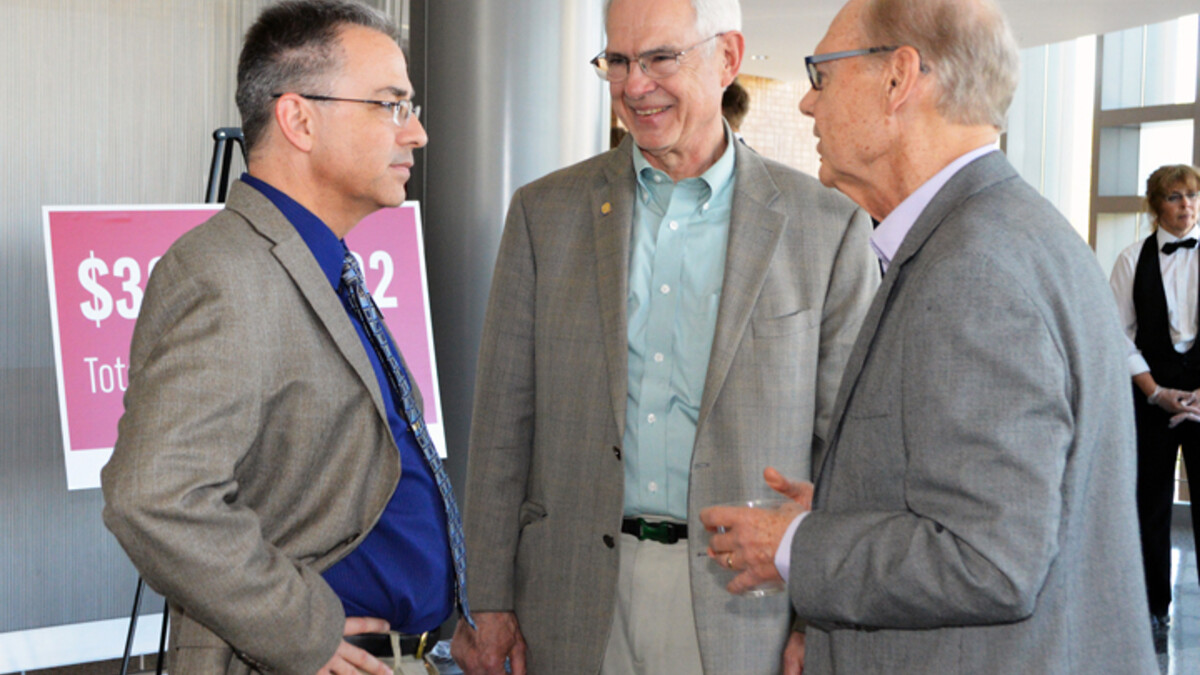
[661, 532]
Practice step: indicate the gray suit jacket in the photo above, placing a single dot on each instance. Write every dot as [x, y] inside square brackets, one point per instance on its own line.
[253, 452]
[546, 478]
[975, 511]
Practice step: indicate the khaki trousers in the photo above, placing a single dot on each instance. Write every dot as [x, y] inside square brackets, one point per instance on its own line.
[653, 629]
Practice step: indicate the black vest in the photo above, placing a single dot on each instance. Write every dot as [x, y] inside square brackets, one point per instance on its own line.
[1169, 367]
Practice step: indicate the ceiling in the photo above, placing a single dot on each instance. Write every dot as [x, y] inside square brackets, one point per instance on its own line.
[788, 30]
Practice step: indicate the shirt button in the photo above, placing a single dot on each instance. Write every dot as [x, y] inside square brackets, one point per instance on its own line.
[674, 225]
[658, 179]
[665, 289]
[658, 358]
[653, 487]
[705, 207]
[651, 418]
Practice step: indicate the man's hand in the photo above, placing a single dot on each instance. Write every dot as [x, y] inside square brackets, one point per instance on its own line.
[482, 650]
[1174, 401]
[793, 654]
[350, 660]
[800, 492]
[746, 539]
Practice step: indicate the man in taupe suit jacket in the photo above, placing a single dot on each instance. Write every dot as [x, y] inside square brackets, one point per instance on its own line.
[683, 277]
[256, 481]
[974, 512]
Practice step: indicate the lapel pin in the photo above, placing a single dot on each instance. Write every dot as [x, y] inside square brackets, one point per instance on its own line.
[606, 208]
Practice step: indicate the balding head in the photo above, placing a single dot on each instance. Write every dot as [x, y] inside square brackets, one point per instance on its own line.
[967, 45]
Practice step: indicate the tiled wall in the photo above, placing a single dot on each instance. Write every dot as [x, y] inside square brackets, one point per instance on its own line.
[774, 126]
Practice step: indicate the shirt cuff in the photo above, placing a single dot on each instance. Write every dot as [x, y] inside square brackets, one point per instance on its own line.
[783, 554]
[1137, 364]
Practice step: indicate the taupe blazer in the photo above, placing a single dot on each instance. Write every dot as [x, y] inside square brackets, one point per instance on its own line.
[975, 510]
[253, 452]
[546, 476]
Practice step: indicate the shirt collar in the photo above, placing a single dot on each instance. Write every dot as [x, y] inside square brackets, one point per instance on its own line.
[324, 244]
[1165, 237]
[716, 178]
[886, 238]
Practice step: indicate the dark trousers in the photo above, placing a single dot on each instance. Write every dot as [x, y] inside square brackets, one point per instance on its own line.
[1158, 448]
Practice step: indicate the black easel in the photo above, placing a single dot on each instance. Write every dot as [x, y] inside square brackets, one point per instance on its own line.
[224, 139]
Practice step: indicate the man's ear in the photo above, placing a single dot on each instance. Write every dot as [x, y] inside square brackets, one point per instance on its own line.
[294, 118]
[902, 75]
[732, 47]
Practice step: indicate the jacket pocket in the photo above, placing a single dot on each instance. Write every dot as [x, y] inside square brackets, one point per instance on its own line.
[787, 324]
[530, 513]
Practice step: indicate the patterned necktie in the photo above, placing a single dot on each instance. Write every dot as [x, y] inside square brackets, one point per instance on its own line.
[364, 308]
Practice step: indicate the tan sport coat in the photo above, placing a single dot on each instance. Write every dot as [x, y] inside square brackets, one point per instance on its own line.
[975, 511]
[546, 477]
[253, 452]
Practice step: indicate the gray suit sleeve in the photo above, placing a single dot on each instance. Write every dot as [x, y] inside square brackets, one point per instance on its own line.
[852, 284]
[984, 400]
[502, 421]
[193, 409]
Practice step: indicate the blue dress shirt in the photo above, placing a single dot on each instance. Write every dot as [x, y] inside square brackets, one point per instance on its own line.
[402, 571]
[676, 270]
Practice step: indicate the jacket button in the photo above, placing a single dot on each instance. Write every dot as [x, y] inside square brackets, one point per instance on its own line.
[617, 452]
[608, 541]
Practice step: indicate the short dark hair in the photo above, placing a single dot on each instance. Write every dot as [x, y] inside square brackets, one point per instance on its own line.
[735, 103]
[293, 47]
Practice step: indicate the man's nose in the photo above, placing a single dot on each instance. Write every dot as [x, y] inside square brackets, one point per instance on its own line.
[638, 82]
[807, 102]
[413, 133]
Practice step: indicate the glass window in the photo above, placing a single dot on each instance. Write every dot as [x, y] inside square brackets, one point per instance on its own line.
[1129, 153]
[1150, 65]
[1049, 138]
[1114, 232]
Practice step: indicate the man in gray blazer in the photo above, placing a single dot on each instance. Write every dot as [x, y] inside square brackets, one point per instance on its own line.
[974, 512]
[666, 320]
[256, 481]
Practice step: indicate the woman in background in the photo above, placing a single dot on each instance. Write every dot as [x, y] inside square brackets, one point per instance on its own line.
[1157, 286]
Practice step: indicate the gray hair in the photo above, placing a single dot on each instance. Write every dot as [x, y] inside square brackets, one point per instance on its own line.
[293, 47]
[712, 16]
[968, 45]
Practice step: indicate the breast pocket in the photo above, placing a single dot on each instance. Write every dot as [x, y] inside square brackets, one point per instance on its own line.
[787, 324]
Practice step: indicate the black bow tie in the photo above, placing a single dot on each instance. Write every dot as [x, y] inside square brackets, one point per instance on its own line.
[1172, 246]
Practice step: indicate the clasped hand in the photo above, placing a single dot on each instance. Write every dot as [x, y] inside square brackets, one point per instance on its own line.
[1183, 405]
[745, 539]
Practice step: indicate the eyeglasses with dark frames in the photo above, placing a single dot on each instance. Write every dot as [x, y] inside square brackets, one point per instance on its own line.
[814, 75]
[656, 63]
[401, 110]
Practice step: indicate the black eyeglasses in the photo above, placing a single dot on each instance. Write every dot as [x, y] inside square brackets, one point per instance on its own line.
[656, 64]
[814, 75]
[401, 110]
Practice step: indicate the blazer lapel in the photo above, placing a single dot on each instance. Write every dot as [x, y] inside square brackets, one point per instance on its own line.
[612, 223]
[976, 176]
[296, 258]
[755, 228]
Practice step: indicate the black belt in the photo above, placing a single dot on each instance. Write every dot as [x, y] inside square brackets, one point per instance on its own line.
[662, 532]
[380, 644]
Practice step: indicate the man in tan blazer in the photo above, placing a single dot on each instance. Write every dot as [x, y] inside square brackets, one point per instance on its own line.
[684, 277]
[974, 512]
[256, 481]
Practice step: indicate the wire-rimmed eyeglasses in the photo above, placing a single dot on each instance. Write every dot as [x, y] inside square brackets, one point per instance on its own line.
[810, 62]
[401, 110]
[656, 63]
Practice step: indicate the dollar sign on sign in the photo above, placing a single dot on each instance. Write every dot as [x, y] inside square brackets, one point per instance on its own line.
[101, 305]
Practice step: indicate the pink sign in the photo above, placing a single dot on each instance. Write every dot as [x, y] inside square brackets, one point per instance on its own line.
[98, 259]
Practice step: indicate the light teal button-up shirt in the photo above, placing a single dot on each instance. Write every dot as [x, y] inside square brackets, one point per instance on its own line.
[676, 268]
